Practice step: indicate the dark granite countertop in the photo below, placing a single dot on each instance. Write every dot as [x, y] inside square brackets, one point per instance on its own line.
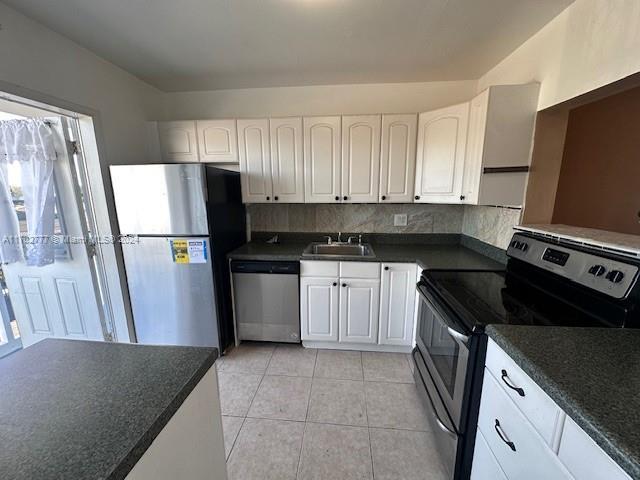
[89, 410]
[593, 374]
[448, 253]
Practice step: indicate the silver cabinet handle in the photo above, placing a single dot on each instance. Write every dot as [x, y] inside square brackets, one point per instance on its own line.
[503, 436]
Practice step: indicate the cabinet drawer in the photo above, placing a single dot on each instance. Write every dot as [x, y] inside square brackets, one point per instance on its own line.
[536, 405]
[319, 269]
[528, 457]
[485, 466]
[359, 270]
[576, 446]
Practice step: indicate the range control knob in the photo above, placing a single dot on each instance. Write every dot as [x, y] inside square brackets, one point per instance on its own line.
[514, 243]
[523, 246]
[615, 276]
[597, 270]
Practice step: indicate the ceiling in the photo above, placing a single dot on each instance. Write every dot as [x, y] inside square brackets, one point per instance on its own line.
[181, 45]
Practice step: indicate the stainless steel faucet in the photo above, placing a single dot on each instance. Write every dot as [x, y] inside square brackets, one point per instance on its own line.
[339, 240]
[329, 240]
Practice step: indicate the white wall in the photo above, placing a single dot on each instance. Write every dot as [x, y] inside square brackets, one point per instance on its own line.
[590, 44]
[38, 63]
[36, 58]
[317, 100]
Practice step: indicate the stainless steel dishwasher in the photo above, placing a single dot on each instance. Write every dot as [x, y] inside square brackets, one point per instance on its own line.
[266, 298]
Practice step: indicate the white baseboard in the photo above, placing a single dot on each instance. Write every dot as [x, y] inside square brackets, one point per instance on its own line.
[365, 347]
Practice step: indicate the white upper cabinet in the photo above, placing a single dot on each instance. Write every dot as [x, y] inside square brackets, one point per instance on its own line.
[287, 164]
[360, 158]
[442, 137]
[397, 301]
[322, 159]
[501, 127]
[255, 160]
[398, 158]
[217, 141]
[178, 141]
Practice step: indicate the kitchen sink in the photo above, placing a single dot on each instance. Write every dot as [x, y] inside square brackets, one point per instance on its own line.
[339, 249]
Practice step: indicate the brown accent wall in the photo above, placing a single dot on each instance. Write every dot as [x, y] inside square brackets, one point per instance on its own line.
[599, 184]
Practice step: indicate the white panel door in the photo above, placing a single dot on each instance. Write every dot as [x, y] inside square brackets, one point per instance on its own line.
[359, 310]
[485, 466]
[360, 158]
[59, 299]
[442, 137]
[287, 164]
[255, 160]
[397, 303]
[475, 148]
[178, 141]
[319, 308]
[398, 158]
[322, 159]
[217, 141]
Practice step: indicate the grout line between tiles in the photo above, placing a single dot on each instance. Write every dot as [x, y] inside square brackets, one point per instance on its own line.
[304, 432]
[366, 414]
[244, 419]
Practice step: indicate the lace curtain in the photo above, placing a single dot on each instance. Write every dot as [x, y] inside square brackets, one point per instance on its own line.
[30, 143]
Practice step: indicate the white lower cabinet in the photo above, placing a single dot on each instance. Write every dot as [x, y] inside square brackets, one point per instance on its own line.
[576, 446]
[397, 303]
[519, 449]
[359, 307]
[354, 305]
[485, 466]
[319, 308]
[523, 435]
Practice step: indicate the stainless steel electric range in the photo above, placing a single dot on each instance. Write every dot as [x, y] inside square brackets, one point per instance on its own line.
[546, 282]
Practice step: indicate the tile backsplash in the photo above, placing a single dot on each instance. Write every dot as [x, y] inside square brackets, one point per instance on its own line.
[492, 225]
[370, 218]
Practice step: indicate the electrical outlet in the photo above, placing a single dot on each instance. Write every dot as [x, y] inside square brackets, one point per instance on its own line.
[400, 220]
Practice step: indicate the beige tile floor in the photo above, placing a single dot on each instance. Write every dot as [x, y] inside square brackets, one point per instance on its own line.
[296, 413]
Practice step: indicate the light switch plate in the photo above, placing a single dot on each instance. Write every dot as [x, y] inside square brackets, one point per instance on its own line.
[400, 220]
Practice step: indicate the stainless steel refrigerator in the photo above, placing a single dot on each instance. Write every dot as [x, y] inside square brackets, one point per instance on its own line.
[184, 219]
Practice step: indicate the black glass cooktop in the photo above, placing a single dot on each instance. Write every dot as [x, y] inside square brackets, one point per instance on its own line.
[479, 298]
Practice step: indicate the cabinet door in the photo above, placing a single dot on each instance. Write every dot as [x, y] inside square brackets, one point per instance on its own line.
[398, 158]
[360, 158]
[576, 446]
[286, 159]
[485, 466]
[217, 141]
[322, 159]
[397, 302]
[359, 310]
[178, 141]
[255, 160]
[319, 308]
[442, 137]
[475, 148]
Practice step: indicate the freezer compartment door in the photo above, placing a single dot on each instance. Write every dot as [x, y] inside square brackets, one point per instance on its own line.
[173, 303]
[160, 199]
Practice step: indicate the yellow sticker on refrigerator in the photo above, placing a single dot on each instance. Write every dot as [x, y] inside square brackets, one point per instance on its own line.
[189, 251]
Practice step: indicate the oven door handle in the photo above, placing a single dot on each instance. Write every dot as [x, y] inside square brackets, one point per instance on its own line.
[439, 422]
[458, 336]
[442, 317]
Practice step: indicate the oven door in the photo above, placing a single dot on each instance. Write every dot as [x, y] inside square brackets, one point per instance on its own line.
[444, 348]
